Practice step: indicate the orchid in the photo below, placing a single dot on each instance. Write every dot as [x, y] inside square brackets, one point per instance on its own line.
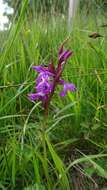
[49, 77]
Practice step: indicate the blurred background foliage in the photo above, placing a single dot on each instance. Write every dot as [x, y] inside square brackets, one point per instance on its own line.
[56, 6]
[39, 6]
[90, 5]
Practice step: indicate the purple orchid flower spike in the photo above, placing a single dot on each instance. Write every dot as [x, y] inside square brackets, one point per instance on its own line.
[49, 77]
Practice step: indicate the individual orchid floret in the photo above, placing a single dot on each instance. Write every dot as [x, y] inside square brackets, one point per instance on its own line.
[44, 76]
[44, 86]
[49, 77]
[66, 88]
[37, 96]
[64, 56]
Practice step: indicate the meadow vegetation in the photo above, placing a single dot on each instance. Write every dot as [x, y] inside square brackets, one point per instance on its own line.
[71, 151]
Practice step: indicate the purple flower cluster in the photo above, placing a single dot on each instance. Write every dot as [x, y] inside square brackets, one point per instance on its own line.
[49, 77]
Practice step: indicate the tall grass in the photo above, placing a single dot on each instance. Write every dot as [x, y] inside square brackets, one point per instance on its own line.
[34, 158]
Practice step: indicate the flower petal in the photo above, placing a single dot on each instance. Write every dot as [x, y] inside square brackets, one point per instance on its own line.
[40, 68]
[36, 96]
[33, 96]
[64, 56]
[68, 54]
[61, 81]
[44, 87]
[67, 87]
[44, 76]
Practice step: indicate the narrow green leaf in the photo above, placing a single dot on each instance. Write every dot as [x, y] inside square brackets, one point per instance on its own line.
[59, 166]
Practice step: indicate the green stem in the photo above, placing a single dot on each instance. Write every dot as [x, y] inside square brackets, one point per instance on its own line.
[45, 153]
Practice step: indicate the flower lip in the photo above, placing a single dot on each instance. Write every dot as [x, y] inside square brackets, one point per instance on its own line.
[44, 87]
[37, 96]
